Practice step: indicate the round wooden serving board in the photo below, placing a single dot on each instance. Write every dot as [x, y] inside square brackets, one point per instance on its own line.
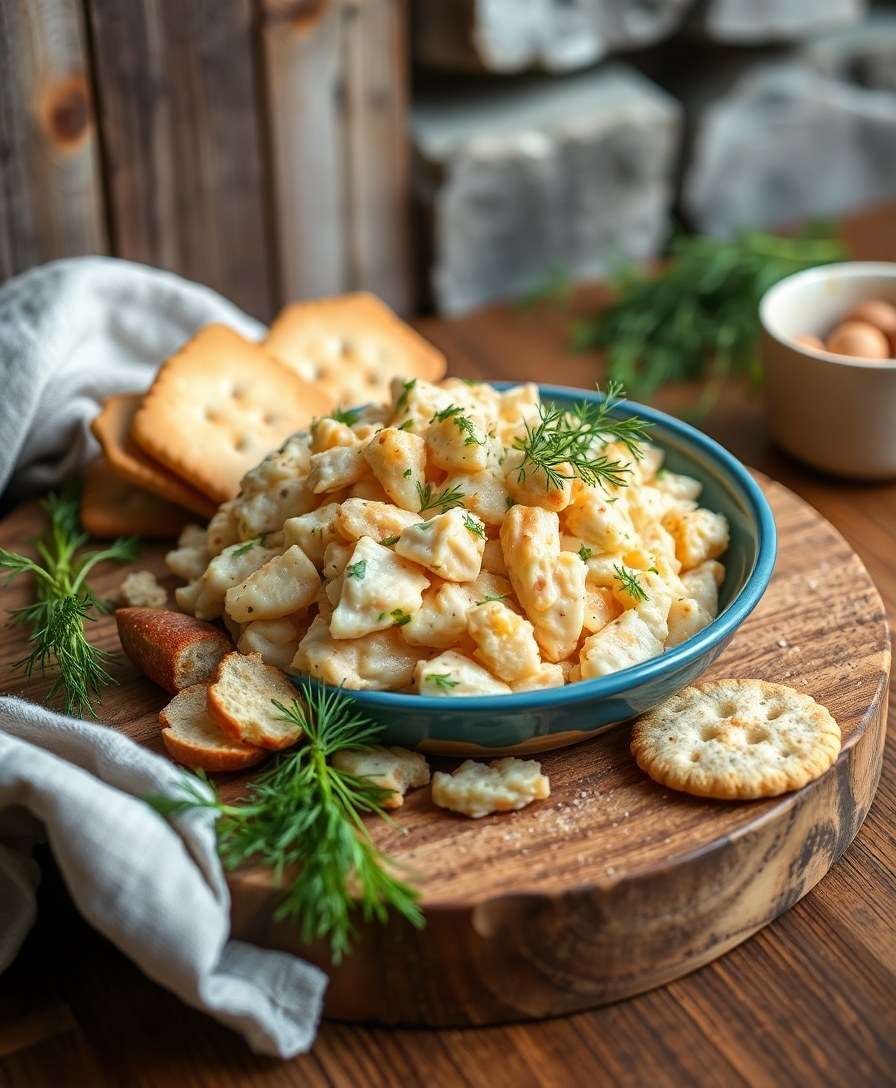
[615, 884]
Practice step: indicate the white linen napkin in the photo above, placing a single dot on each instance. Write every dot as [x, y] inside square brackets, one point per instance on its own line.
[71, 333]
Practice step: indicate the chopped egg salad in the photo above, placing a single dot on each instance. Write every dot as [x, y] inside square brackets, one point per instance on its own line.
[459, 541]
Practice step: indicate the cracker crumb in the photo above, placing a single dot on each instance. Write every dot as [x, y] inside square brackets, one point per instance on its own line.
[393, 769]
[140, 589]
[477, 789]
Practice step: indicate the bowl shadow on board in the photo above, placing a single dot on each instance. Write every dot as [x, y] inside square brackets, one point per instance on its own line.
[537, 721]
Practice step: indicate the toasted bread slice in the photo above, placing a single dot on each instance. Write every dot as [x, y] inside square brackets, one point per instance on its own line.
[240, 701]
[171, 648]
[192, 738]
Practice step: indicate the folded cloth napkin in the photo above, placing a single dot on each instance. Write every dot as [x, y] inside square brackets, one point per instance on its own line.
[71, 333]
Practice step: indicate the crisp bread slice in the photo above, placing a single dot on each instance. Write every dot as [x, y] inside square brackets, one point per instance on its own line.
[112, 429]
[351, 347]
[111, 506]
[218, 407]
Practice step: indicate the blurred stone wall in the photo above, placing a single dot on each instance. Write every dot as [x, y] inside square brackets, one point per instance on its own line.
[539, 148]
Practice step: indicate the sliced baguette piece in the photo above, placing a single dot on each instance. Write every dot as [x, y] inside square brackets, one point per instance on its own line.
[173, 649]
[192, 738]
[240, 701]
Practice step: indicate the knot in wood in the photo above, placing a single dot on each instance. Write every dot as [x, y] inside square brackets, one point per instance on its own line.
[66, 111]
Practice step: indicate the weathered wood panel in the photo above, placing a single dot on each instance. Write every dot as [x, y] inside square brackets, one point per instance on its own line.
[50, 193]
[336, 74]
[180, 116]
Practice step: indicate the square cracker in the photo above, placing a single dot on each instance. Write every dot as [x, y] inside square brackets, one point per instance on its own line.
[111, 506]
[112, 429]
[351, 347]
[218, 407]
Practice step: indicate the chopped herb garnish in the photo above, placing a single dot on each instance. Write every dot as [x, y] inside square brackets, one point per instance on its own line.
[399, 617]
[402, 401]
[475, 526]
[444, 501]
[348, 416]
[408, 425]
[492, 597]
[585, 553]
[441, 680]
[463, 423]
[248, 546]
[357, 570]
[408, 473]
[447, 413]
[629, 582]
[388, 541]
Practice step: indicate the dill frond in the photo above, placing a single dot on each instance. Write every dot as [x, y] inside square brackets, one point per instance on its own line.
[302, 819]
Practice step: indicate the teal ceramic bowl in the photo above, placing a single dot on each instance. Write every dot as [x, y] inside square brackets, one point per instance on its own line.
[535, 721]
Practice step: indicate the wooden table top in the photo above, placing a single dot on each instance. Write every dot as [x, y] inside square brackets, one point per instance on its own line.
[809, 999]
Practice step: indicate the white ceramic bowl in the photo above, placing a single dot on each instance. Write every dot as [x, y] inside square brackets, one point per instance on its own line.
[836, 413]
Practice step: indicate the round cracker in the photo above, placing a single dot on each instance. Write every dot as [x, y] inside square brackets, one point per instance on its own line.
[736, 739]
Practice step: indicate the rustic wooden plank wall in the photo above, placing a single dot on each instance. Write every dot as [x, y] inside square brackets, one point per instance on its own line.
[50, 191]
[258, 146]
[176, 95]
[337, 95]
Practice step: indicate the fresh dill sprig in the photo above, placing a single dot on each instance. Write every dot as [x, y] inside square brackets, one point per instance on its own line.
[445, 500]
[302, 819]
[699, 316]
[629, 582]
[569, 436]
[64, 603]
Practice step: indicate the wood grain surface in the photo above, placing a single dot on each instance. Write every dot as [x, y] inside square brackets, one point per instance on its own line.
[50, 185]
[177, 97]
[336, 76]
[807, 1000]
[615, 885]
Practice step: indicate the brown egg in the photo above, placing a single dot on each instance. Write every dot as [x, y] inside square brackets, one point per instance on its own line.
[880, 314]
[858, 339]
[807, 340]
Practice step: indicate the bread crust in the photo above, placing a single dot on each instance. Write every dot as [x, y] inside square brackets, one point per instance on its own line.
[204, 755]
[158, 642]
[240, 730]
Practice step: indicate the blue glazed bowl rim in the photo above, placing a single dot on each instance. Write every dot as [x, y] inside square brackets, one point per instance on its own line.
[691, 649]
